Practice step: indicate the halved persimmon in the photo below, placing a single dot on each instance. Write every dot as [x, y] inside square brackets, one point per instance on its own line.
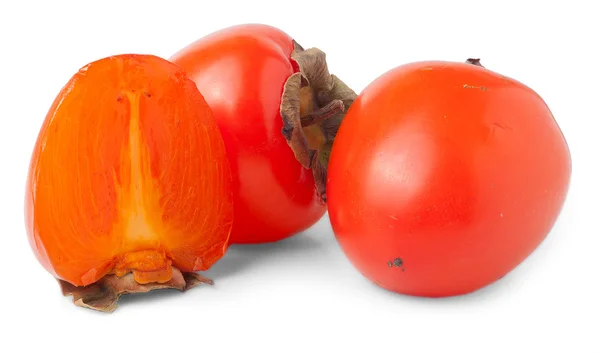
[129, 183]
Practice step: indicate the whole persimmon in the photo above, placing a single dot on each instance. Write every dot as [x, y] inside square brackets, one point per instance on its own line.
[444, 177]
[129, 187]
[260, 82]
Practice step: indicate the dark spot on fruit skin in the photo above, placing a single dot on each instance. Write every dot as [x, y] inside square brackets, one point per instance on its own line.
[396, 263]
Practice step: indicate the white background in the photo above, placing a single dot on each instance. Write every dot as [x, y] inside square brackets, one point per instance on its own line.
[301, 295]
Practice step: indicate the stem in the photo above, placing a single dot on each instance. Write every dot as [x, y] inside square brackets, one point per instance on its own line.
[313, 105]
[473, 61]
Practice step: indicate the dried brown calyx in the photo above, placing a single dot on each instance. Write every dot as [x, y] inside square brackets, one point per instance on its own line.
[104, 294]
[313, 106]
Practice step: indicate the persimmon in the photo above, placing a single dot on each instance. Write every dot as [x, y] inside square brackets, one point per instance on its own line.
[261, 83]
[444, 177]
[129, 186]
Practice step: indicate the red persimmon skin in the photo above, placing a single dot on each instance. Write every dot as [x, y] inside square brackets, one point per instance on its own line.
[444, 177]
[241, 72]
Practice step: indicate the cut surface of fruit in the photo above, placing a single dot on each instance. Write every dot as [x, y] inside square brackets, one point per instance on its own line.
[128, 175]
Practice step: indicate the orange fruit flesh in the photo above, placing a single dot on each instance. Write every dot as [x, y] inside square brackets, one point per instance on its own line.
[129, 174]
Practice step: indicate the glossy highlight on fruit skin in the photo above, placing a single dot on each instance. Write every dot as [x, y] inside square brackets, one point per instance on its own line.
[241, 72]
[129, 174]
[444, 177]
